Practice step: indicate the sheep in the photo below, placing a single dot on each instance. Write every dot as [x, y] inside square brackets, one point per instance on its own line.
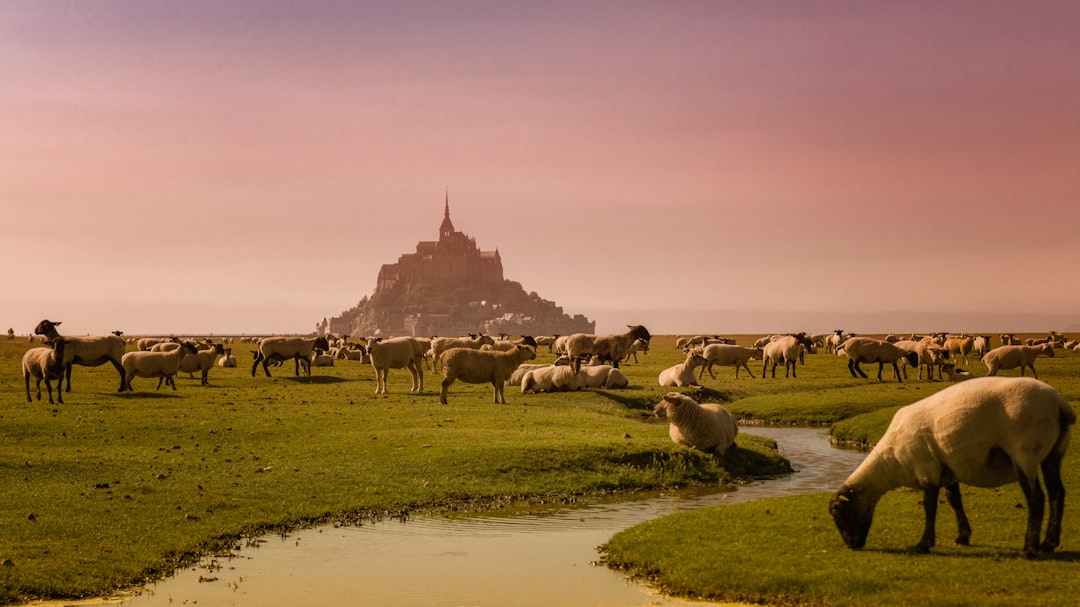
[786, 348]
[1011, 357]
[832, 342]
[442, 344]
[929, 356]
[708, 427]
[638, 344]
[396, 353]
[550, 378]
[47, 364]
[88, 351]
[729, 356]
[985, 432]
[609, 348]
[602, 376]
[1008, 339]
[478, 367]
[283, 348]
[203, 361]
[144, 344]
[322, 359]
[980, 346]
[162, 365]
[960, 346]
[425, 344]
[682, 375]
[870, 350]
[228, 360]
[505, 345]
[955, 374]
[547, 340]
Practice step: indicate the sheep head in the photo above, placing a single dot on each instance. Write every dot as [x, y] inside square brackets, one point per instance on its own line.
[46, 327]
[669, 403]
[852, 514]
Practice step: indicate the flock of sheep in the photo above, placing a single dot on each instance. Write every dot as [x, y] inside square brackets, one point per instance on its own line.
[985, 431]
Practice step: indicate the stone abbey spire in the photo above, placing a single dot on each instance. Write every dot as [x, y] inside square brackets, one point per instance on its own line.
[446, 230]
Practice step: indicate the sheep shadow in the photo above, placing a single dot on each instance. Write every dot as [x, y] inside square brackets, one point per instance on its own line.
[639, 403]
[133, 394]
[1063, 556]
[316, 379]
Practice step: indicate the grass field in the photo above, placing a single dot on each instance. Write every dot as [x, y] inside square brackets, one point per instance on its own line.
[109, 490]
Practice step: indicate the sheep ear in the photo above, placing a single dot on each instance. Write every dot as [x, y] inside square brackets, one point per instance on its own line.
[843, 498]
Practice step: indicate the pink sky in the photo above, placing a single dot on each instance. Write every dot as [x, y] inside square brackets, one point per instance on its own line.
[209, 167]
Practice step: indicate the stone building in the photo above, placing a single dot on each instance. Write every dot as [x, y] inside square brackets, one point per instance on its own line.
[451, 287]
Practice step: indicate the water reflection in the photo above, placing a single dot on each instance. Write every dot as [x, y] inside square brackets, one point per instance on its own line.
[525, 558]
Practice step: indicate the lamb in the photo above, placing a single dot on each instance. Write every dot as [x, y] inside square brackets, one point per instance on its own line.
[47, 364]
[1011, 357]
[319, 359]
[602, 376]
[609, 348]
[551, 378]
[708, 427]
[89, 351]
[396, 353]
[478, 367]
[162, 365]
[955, 374]
[682, 374]
[283, 348]
[728, 356]
[960, 346]
[929, 356]
[985, 432]
[442, 344]
[786, 348]
[202, 361]
[870, 350]
[1008, 339]
[637, 344]
[228, 360]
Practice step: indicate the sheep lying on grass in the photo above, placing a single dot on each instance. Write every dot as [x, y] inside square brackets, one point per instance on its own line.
[550, 378]
[228, 360]
[396, 353]
[602, 376]
[88, 351]
[280, 349]
[708, 427]
[985, 432]
[47, 364]
[162, 365]
[1011, 357]
[949, 370]
[682, 374]
[480, 367]
[870, 350]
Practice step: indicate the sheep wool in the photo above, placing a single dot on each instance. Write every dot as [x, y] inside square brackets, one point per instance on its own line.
[707, 427]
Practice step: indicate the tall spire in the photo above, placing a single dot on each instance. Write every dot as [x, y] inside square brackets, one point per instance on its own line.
[446, 230]
[446, 212]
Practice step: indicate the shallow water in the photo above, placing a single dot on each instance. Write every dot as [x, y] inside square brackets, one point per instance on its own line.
[523, 558]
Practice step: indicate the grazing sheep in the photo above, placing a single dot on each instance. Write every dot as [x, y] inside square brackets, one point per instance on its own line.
[505, 345]
[47, 364]
[88, 351]
[162, 365]
[870, 350]
[283, 348]
[228, 360]
[551, 378]
[1011, 357]
[785, 348]
[396, 353]
[144, 344]
[602, 376]
[608, 348]
[442, 344]
[729, 356]
[479, 367]
[929, 357]
[682, 374]
[708, 427]
[980, 346]
[202, 361]
[960, 346]
[985, 432]
[1008, 339]
[547, 340]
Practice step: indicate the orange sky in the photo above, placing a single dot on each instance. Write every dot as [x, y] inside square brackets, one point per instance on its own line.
[249, 166]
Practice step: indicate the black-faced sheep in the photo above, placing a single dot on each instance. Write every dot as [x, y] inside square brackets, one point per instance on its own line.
[708, 427]
[47, 364]
[949, 370]
[280, 349]
[228, 360]
[870, 350]
[202, 361]
[442, 344]
[980, 346]
[985, 432]
[162, 365]
[396, 353]
[1011, 357]
[960, 346]
[607, 348]
[88, 351]
[480, 367]
[682, 375]
[786, 349]
[729, 356]
[930, 356]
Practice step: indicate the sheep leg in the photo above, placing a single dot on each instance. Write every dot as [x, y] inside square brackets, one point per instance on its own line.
[119, 369]
[1051, 467]
[442, 392]
[160, 379]
[896, 372]
[1036, 503]
[930, 502]
[745, 366]
[498, 393]
[67, 373]
[963, 527]
[853, 367]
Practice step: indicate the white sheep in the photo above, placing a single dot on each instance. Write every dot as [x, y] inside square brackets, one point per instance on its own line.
[985, 432]
[980, 346]
[608, 348]
[505, 345]
[635, 346]
[602, 376]
[442, 344]
[162, 365]
[708, 427]
[145, 343]
[682, 375]
[202, 361]
[47, 364]
[929, 356]
[729, 356]
[280, 349]
[1011, 357]
[479, 367]
[228, 360]
[551, 378]
[784, 348]
[870, 350]
[322, 359]
[949, 370]
[88, 351]
[396, 353]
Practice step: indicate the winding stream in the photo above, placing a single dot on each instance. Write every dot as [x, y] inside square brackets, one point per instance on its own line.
[535, 557]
